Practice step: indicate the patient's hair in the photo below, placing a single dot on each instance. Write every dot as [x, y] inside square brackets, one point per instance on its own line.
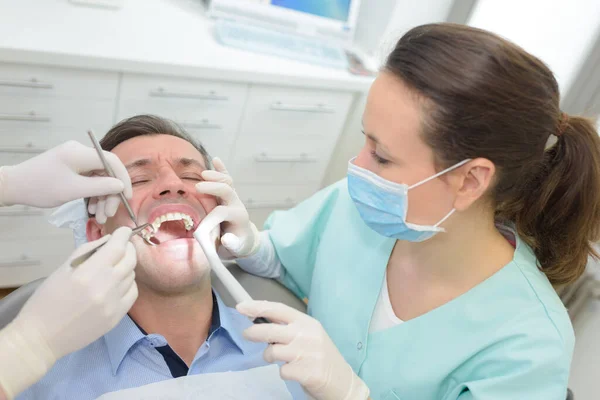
[149, 125]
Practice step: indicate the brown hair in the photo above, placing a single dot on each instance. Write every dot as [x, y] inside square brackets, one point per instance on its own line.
[148, 125]
[486, 97]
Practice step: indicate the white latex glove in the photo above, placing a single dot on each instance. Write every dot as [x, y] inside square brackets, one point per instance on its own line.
[56, 177]
[239, 236]
[72, 308]
[301, 342]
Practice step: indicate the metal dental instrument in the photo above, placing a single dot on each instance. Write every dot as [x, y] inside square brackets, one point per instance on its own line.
[111, 173]
[77, 261]
[138, 229]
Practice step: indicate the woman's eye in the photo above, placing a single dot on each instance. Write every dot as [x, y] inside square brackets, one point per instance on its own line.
[378, 159]
[139, 181]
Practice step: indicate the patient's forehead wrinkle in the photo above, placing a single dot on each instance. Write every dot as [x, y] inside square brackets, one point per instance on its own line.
[143, 162]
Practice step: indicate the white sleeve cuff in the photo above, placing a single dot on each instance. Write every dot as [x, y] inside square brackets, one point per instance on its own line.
[264, 262]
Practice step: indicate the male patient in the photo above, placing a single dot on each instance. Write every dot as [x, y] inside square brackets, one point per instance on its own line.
[178, 326]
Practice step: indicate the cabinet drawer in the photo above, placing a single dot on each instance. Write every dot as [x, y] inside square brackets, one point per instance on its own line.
[257, 197]
[137, 86]
[262, 200]
[222, 116]
[48, 82]
[280, 161]
[24, 112]
[295, 113]
[22, 261]
[23, 222]
[41, 124]
[184, 100]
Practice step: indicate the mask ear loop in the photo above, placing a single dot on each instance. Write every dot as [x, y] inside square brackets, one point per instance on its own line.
[444, 219]
[460, 164]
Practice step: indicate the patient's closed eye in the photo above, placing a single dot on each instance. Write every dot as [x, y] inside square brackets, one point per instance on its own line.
[139, 181]
[195, 178]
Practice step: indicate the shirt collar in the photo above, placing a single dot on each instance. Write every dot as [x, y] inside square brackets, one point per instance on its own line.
[127, 334]
[120, 339]
[234, 323]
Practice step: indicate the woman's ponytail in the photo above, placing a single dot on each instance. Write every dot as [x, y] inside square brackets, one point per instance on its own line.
[559, 214]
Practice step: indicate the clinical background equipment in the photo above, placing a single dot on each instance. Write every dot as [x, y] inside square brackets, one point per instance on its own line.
[331, 21]
[262, 40]
[206, 234]
[77, 261]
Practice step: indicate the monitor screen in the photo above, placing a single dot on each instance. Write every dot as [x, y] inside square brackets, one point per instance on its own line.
[333, 9]
[333, 20]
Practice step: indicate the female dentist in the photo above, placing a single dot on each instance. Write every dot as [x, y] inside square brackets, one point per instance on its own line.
[430, 269]
[73, 307]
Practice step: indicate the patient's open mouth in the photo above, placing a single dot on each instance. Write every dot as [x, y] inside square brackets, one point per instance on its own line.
[170, 225]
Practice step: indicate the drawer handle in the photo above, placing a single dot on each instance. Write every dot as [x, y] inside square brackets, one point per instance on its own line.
[29, 149]
[313, 108]
[24, 261]
[287, 203]
[20, 212]
[31, 117]
[204, 124]
[212, 95]
[32, 83]
[302, 158]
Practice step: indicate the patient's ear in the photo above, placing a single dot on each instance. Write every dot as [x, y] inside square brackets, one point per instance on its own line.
[93, 230]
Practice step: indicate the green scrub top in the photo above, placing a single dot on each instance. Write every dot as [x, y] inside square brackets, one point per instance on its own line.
[508, 338]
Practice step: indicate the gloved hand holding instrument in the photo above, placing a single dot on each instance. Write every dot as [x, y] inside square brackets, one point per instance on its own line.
[91, 292]
[59, 175]
[72, 308]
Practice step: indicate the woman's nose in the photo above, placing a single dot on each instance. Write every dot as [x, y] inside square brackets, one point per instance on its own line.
[362, 158]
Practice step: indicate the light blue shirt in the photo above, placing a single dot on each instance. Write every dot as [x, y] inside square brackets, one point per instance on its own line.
[126, 358]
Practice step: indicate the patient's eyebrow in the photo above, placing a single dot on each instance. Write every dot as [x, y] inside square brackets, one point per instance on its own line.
[139, 163]
[186, 162]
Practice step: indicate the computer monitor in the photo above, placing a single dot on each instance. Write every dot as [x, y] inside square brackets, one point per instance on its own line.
[333, 20]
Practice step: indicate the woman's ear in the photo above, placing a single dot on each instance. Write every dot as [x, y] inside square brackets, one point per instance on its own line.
[93, 230]
[475, 179]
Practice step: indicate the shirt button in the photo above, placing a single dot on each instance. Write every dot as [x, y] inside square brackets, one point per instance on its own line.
[359, 346]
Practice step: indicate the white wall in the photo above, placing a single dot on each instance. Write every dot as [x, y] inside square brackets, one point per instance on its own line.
[405, 14]
[408, 14]
[559, 32]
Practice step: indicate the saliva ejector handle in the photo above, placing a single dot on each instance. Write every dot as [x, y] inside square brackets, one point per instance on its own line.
[206, 234]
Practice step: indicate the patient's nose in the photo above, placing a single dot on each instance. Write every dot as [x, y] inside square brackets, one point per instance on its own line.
[169, 185]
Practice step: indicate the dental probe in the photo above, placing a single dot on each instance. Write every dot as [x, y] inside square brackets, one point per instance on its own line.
[138, 229]
[111, 173]
[206, 234]
[77, 261]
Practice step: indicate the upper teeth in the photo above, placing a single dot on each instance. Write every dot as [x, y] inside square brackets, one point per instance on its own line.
[176, 216]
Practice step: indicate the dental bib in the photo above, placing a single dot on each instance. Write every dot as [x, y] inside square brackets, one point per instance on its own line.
[263, 383]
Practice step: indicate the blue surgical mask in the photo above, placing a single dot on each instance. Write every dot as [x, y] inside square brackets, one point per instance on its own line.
[383, 205]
